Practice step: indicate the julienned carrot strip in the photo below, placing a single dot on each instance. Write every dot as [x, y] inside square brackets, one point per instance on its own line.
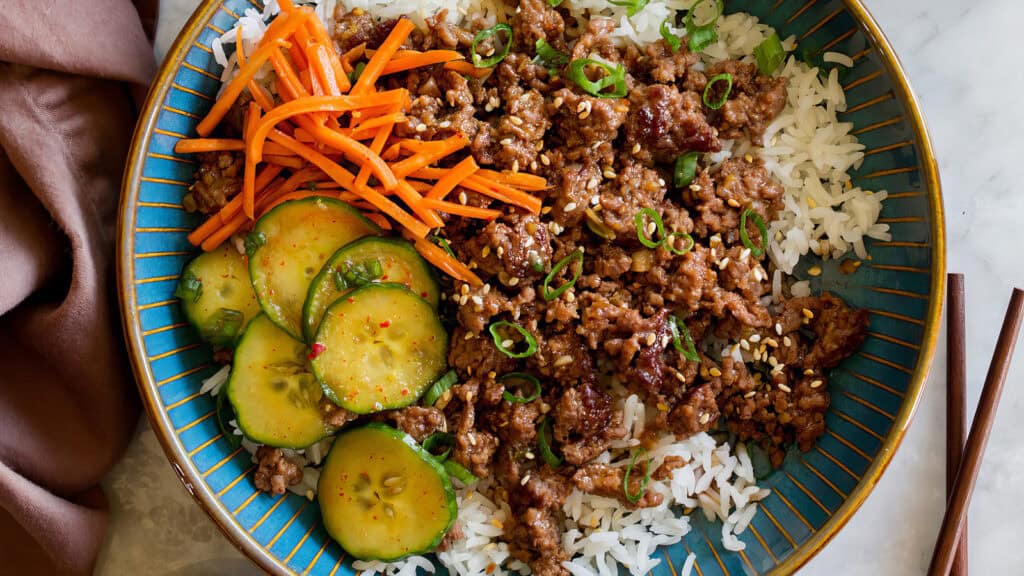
[379, 140]
[421, 187]
[347, 181]
[418, 146]
[196, 145]
[464, 169]
[430, 173]
[264, 181]
[358, 152]
[252, 121]
[413, 200]
[378, 219]
[420, 160]
[293, 162]
[352, 55]
[299, 178]
[503, 193]
[428, 58]
[447, 264]
[316, 27]
[234, 223]
[257, 92]
[385, 51]
[286, 25]
[468, 69]
[460, 209]
[392, 152]
[520, 180]
[390, 118]
[276, 149]
[290, 82]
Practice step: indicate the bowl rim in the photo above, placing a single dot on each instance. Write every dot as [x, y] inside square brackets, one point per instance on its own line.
[244, 541]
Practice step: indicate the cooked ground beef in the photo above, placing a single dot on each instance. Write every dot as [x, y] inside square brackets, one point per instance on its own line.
[217, 180]
[275, 473]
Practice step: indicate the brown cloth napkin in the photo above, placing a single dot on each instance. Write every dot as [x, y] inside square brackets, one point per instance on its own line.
[67, 404]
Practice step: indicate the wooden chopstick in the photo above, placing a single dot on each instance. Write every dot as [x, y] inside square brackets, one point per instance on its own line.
[956, 400]
[956, 510]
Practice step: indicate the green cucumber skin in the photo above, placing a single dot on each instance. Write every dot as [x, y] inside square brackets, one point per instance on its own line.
[239, 303]
[432, 295]
[437, 467]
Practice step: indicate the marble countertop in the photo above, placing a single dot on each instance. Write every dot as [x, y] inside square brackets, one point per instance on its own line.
[978, 138]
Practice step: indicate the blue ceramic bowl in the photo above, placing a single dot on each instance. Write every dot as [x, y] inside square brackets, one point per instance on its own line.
[874, 393]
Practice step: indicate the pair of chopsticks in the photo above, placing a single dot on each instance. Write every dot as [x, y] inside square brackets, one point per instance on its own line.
[963, 461]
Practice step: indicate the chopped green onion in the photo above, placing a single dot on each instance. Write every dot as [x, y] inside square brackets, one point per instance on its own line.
[443, 243]
[537, 266]
[634, 498]
[671, 39]
[686, 169]
[482, 35]
[222, 328]
[510, 397]
[459, 472]
[357, 275]
[436, 440]
[658, 237]
[633, 6]
[504, 345]
[702, 34]
[716, 104]
[543, 433]
[253, 242]
[357, 71]
[190, 287]
[555, 3]
[684, 345]
[548, 56]
[225, 414]
[546, 290]
[769, 54]
[615, 76]
[438, 388]
[673, 248]
[757, 251]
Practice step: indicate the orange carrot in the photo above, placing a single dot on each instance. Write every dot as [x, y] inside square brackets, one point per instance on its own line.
[196, 145]
[506, 194]
[413, 200]
[387, 49]
[258, 94]
[290, 81]
[276, 149]
[379, 140]
[392, 153]
[447, 264]
[327, 54]
[413, 163]
[351, 56]
[358, 153]
[378, 219]
[285, 25]
[417, 146]
[347, 181]
[468, 69]
[520, 180]
[235, 222]
[266, 179]
[460, 209]
[419, 60]
[252, 120]
[293, 162]
[449, 181]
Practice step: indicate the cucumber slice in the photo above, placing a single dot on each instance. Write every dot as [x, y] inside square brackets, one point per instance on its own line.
[216, 295]
[361, 262]
[382, 496]
[276, 398]
[288, 247]
[379, 348]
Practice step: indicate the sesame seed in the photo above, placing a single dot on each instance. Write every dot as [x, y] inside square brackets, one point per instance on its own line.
[581, 106]
[468, 336]
[705, 418]
[816, 384]
[507, 343]
[679, 376]
[472, 437]
[545, 160]
[505, 142]
[696, 187]
[814, 271]
[757, 356]
[651, 339]
[661, 182]
[745, 254]
[636, 148]
[570, 296]
[524, 480]
[516, 120]
[786, 341]
[513, 281]
[563, 360]
[755, 338]
[785, 388]
[463, 300]
[807, 313]
[558, 102]
[529, 455]
[778, 329]
[772, 342]
[665, 340]
[501, 251]
[749, 158]
[465, 289]
[758, 275]
[421, 128]
[584, 115]
[609, 173]
[463, 198]
[651, 229]
[732, 202]
[595, 200]
[486, 250]
[570, 207]
[750, 394]
[724, 263]
[515, 166]
[445, 124]
[545, 210]
[744, 344]
[772, 361]
[715, 372]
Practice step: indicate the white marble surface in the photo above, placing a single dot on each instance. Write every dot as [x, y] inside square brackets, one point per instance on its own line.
[979, 146]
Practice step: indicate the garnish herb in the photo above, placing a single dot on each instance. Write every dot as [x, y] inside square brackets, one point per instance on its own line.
[688, 243]
[437, 440]
[523, 376]
[671, 39]
[546, 452]
[615, 76]
[438, 388]
[575, 258]
[716, 104]
[702, 34]
[749, 213]
[686, 169]
[683, 345]
[634, 498]
[357, 275]
[357, 71]
[652, 240]
[225, 414]
[769, 55]
[481, 62]
[253, 242]
[443, 243]
[190, 287]
[459, 472]
[555, 3]
[548, 56]
[632, 6]
[505, 345]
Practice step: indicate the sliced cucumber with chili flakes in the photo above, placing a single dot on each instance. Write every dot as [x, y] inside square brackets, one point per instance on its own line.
[275, 397]
[382, 496]
[288, 247]
[379, 348]
[216, 295]
[362, 262]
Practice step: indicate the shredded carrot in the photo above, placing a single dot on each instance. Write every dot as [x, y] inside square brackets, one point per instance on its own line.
[392, 152]
[293, 162]
[378, 219]
[252, 120]
[234, 223]
[387, 49]
[460, 209]
[521, 180]
[290, 83]
[285, 25]
[328, 55]
[447, 264]
[506, 194]
[196, 145]
[468, 69]
[417, 146]
[414, 200]
[379, 140]
[358, 153]
[413, 163]
[351, 56]
[449, 181]
[419, 60]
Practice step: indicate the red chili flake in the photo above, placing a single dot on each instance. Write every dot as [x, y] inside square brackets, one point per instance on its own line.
[384, 277]
[351, 300]
[423, 294]
[315, 350]
[385, 324]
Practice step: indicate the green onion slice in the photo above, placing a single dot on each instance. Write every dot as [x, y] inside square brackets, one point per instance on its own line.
[716, 104]
[225, 414]
[549, 57]
[546, 290]
[656, 239]
[253, 242]
[671, 39]
[459, 472]
[555, 3]
[439, 439]
[686, 169]
[688, 243]
[481, 62]
[633, 6]
[749, 213]
[769, 55]
[634, 498]
[529, 378]
[443, 243]
[504, 345]
[546, 452]
[357, 71]
[700, 31]
[615, 76]
[438, 388]
[222, 328]
[190, 287]
[357, 275]
[683, 345]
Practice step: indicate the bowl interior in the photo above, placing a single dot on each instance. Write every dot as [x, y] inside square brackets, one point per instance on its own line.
[813, 494]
